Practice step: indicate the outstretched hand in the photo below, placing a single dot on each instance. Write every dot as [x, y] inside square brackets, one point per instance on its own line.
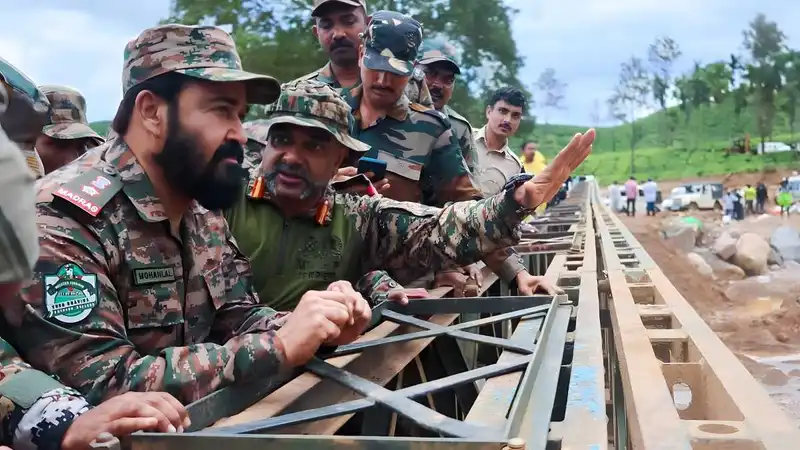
[546, 184]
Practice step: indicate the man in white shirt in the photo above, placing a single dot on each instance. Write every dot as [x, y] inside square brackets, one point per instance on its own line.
[650, 191]
[613, 196]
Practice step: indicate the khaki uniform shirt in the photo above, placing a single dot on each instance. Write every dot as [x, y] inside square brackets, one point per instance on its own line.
[494, 167]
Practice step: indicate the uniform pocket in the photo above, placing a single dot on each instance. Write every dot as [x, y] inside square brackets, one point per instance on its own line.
[154, 305]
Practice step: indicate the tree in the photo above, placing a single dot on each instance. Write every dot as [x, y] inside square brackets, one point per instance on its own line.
[275, 38]
[552, 91]
[662, 54]
[765, 42]
[631, 95]
[789, 64]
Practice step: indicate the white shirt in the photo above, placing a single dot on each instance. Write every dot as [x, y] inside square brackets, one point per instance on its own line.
[650, 190]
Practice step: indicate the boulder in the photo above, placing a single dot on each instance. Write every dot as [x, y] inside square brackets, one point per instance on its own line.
[751, 254]
[725, 246]
[680, 233]
[700, 264]
[722, 269]
[785, 241]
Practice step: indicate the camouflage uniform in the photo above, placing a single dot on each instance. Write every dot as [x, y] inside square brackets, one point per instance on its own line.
[24, 126]
[117, 301]
[435, 50]
[347, 235]
[68, 117]
[35, 410]
[416, 90]
[423, 159]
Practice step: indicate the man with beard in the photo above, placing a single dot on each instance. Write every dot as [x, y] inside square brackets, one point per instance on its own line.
[300, 235]
[496, 163]
[337, 26]
[36, 411]
[67, 134]
[439, 62]
[139, 285]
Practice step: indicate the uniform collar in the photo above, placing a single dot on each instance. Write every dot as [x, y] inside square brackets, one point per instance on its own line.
[325, 75]
[136, 184]
[480, 135]
[252, 163]
[398, 111]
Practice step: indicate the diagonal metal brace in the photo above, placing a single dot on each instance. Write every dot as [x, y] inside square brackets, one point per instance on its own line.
[465, 335]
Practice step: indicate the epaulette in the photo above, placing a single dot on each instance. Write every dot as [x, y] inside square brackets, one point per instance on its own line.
[454, 115]
[91, 190]
[419, 107]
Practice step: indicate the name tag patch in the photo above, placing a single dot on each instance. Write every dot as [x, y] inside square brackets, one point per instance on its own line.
[402, 167]
[153, 275]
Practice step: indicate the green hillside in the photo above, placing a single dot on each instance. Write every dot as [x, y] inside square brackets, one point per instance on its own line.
[697, 148]
[101, 126]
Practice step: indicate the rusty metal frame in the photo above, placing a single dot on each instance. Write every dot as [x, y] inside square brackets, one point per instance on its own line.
[543, 320]
[545, 389]
[660, 342]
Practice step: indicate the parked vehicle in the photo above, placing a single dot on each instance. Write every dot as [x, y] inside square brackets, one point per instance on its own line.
[694, 196]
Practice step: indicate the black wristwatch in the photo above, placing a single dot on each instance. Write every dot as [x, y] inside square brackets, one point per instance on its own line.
[512, 184]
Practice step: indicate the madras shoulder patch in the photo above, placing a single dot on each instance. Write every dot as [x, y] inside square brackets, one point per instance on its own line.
[153, 275]
[70, 294]
[91, 190]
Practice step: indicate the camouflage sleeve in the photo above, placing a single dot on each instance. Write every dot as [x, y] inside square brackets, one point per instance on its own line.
[18, 244]
[375, 285]
[32, 421]
[468, 150]
[95, 356]
[410, 240]
[506, 263]
[447, 172]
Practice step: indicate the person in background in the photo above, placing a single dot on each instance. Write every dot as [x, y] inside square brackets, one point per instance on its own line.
[613, 195]
[631, 191]
[533, 162]
[761, 197]
[784, 199]
[749, 198]
[738, 207]
[496, 162]
[67, 135]
[727, 203]
[650, 190]
[18, 125]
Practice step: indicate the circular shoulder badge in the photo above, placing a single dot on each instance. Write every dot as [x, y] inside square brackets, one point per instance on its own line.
[70, 294]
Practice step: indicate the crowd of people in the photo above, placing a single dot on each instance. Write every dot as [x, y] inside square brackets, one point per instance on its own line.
[188, 251]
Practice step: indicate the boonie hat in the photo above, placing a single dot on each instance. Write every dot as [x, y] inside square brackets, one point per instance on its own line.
[203, 52]
[309, 103]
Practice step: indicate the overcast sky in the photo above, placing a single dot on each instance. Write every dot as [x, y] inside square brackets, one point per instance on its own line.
[79, 42]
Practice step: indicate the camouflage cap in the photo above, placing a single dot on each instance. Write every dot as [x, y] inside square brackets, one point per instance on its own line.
[201, 51]
[437, 49]
[27, 108]
[392, 43]
[309, 103]
[68, 115]
[318, 3]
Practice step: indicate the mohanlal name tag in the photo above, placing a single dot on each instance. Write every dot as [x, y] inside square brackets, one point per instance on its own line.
[153, 275]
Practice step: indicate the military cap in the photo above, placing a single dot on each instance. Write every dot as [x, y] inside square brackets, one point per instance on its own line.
[437, 49]
[26, 107]
[319, 3]
[68, 115]
[203, 52]
[309, 103]
[392, 42]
